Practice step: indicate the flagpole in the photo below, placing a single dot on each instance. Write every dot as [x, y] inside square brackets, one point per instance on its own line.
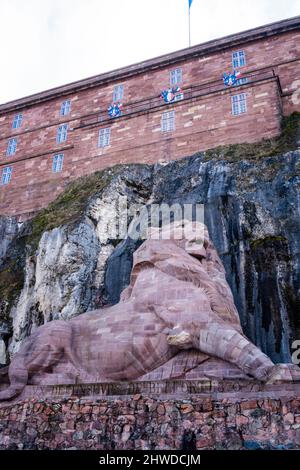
[189, 25]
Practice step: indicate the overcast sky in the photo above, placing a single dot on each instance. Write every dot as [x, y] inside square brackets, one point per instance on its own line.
[46, 43]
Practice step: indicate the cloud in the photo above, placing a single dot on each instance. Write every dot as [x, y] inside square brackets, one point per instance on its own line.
[51, 42]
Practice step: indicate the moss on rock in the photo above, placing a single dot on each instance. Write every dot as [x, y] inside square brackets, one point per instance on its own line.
[267, 240]
[288, 140]
[69, 206]
[11, 284]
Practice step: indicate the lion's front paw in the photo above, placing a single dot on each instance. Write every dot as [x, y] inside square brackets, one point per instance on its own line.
[8, 394]
[284, 373]
[180, 338]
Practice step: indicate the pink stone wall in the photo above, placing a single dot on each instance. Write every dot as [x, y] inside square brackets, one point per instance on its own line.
[199, 124]
[142, 422]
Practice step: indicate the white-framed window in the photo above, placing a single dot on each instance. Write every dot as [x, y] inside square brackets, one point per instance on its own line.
[238, 59]
[6, 175]
[168, 121]
[176, 77]
[62, 133]
[118, 93]
[17, 121]
[239, 104]
[65, 108]
[11, 147]
[104, 137]
[57, 163]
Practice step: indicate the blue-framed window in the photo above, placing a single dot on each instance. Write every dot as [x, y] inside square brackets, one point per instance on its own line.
[239, 104]
[65, 108]
[176, 77]
[238, 59]
[62, 133]
[17, 121]
[118, 92]
[104, 137]
[168, 121]
[6, 175]
[57, 163]
[11, 147]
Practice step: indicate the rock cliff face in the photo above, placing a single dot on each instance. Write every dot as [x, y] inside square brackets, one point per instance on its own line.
[63, 263]
[8, 230]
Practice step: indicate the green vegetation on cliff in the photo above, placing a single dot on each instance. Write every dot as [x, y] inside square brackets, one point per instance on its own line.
[69, 205]
[288, 140]
[11, 283]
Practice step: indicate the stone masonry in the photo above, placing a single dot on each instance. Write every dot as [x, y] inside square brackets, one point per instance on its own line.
[149, 423]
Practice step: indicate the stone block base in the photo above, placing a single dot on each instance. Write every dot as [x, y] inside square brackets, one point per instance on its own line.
[238, 416]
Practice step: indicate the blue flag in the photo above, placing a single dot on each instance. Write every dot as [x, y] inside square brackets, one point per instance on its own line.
[190, 3]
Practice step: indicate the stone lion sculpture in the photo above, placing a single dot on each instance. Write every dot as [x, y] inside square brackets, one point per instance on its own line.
[176, 316]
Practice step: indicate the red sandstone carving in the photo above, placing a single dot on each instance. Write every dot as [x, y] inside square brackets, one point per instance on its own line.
[178, 299]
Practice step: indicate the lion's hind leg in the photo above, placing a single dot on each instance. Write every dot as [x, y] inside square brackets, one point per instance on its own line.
[18, 376]
[42, 350]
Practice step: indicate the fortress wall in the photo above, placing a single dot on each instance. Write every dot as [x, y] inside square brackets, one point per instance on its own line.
[201, 122]
[279, 51]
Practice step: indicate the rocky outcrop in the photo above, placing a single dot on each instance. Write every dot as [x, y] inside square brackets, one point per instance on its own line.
[62, 263]
[8, 230]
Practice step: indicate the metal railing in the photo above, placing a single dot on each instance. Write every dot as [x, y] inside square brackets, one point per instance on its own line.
[189, 93]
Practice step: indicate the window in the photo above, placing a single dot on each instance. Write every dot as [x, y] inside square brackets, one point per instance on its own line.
[65, 108]
[17, 121]
[62, 133]
[11, 147]
[176, 76]
[238, 59]
[57, 164]
[6, 175]
[104, 137]
[239, 104]
[118, 93]
[168, 121]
